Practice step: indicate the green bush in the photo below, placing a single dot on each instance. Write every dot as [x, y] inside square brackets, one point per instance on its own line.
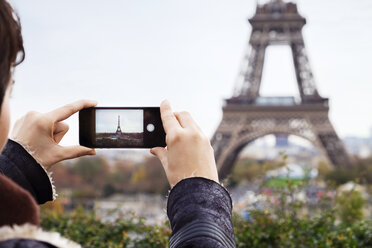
[89, 231]
[330, 223]
[350, 206]
[262, 230]
[361, 172]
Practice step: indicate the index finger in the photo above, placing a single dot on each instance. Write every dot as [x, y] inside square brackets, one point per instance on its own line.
[66, 111]
[169, 120]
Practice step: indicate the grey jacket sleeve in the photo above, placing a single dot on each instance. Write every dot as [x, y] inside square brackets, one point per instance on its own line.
[17, 164]
[200, 214]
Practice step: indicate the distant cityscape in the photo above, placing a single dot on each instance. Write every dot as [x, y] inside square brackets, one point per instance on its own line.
[302, 160]
[359, 146]
[267, 148]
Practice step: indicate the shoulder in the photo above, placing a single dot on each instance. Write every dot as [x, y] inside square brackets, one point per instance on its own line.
[27, 236]
[24, 243]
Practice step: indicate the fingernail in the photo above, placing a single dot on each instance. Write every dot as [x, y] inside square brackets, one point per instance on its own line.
[92, 152]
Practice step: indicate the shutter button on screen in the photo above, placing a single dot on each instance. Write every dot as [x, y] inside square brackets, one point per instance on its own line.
[150, 127]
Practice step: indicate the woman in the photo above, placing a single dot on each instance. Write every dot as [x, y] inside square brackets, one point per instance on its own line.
[199, 208]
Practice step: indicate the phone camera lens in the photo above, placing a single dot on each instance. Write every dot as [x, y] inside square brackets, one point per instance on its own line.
[150, 127]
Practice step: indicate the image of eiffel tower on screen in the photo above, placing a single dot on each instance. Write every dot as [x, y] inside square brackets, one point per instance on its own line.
[119, 128]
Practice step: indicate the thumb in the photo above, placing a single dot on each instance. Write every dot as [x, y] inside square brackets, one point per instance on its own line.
[76, 151]
[162, 154]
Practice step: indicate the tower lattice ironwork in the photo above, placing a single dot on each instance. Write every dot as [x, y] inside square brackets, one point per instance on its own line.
[247, 116]
[118, 129]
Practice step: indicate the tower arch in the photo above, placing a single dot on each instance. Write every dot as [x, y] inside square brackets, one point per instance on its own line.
[227, 161]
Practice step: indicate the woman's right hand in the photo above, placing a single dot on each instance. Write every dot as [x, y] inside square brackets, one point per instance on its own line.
[189, 152]
[40, 134]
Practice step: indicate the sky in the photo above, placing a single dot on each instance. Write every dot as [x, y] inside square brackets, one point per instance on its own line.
[131, 121]
[136, 53]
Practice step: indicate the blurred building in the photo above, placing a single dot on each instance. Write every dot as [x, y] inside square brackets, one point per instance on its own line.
[281, 140]
[292, 171]
[269, 148]
[359, 146]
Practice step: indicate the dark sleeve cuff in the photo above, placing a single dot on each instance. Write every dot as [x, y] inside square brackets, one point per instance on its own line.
[200, 210]
[22, 168]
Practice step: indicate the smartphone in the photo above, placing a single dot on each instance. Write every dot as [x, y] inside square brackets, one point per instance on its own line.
[121, 127]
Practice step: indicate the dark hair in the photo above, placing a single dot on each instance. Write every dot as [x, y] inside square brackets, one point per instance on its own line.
[12, 52]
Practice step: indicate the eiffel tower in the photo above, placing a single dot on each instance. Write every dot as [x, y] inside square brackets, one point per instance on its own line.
[248, 116]
[118, 129]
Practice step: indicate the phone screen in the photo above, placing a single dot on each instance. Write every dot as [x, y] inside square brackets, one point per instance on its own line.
[104, 127]
[119, 127]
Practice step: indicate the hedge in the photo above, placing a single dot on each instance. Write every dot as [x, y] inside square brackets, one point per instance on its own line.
[262, 230]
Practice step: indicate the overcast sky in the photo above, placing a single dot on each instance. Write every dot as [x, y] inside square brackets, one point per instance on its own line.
[136, 53]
